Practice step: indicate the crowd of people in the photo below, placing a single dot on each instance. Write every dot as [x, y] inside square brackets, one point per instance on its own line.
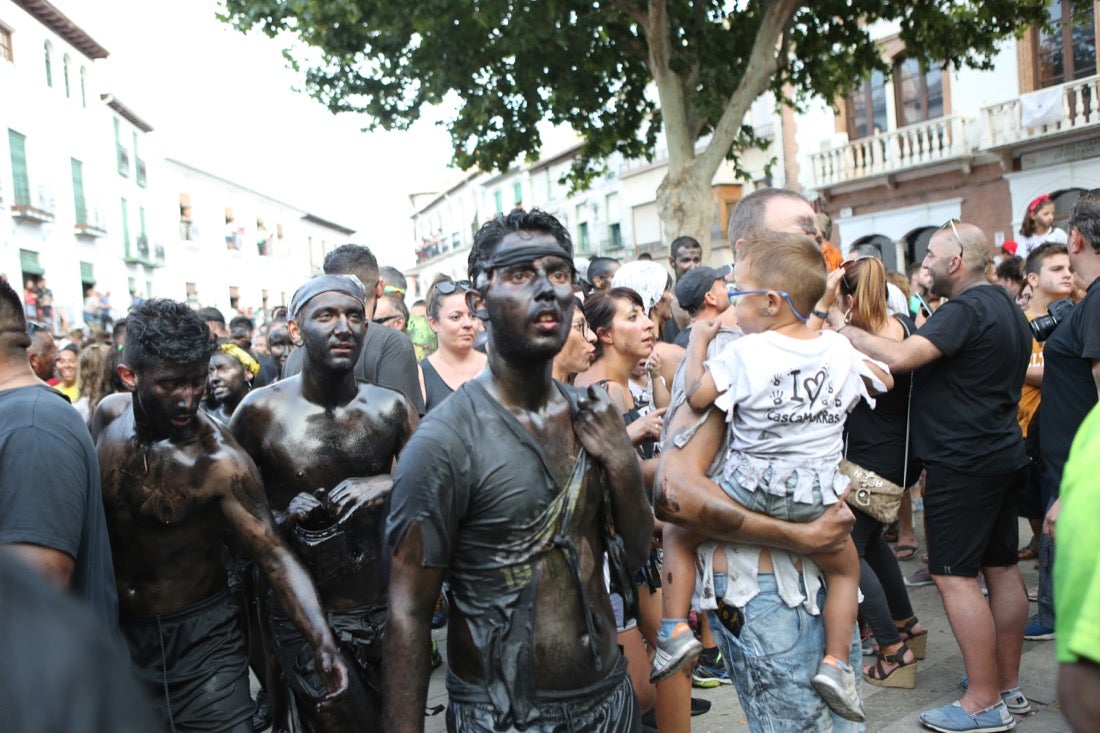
[611, 482]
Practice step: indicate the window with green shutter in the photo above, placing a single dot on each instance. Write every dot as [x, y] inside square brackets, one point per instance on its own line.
[48, 50]
[18, 145]
[78, 192]
[126, 227]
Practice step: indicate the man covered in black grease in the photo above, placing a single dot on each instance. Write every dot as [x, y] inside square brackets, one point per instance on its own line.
[174, 482]
[513, 487]
[326, 445]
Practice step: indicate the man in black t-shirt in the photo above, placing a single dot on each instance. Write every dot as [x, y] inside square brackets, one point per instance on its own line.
[971, 357]
[1071, 386]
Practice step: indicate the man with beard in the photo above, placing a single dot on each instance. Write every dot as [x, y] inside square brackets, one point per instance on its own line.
[325, 445]
[174, 482]
[514, 487]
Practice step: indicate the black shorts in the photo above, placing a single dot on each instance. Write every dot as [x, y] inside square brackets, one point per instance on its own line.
[1031, 499]
[194, 663]
[971, 521]
[358, 633]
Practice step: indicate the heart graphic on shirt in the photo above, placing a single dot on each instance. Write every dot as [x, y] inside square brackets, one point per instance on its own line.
[814, 384]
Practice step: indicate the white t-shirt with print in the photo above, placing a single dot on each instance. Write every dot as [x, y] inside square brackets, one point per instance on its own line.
[785, 401]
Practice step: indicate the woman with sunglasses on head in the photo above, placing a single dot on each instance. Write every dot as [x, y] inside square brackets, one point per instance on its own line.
[456, 361]
[876, 439]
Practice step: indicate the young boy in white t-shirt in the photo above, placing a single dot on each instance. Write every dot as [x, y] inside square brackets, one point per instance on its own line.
[786, 390]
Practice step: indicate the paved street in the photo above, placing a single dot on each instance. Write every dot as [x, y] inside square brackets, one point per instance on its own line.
[888, 710]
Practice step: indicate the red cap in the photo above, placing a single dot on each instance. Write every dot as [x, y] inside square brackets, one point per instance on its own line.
[1009, 246]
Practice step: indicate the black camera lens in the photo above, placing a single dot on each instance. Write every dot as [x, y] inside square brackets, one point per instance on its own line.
[1043, 326]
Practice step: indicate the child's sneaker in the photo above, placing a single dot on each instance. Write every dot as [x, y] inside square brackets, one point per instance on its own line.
[836, 683]
[674, 652]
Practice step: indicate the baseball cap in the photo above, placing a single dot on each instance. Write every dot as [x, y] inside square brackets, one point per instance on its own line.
[694, 284]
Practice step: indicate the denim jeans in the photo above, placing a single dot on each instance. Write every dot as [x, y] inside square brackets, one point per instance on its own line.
[773, 660]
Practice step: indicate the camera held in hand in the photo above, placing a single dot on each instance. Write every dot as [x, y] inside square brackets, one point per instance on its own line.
[1043, 326]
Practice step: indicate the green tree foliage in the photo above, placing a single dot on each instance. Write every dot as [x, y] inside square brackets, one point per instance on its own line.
[589, 64]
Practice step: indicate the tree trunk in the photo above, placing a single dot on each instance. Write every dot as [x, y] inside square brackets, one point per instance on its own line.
[686, 207]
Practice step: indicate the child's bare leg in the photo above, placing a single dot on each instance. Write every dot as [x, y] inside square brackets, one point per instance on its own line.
[676, 644]
[841, 607]
[677, 571]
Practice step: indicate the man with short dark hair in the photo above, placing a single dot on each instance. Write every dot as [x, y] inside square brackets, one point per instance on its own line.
[51, 507]
[387, 358]
[215, 321]
[240, 332]
[511, 487]
[703, 295]
[325, 445]
[601, 270]
[174, 483]
[684, 254]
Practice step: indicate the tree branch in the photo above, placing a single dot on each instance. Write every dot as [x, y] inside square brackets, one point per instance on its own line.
[765, 60]
[670, 92]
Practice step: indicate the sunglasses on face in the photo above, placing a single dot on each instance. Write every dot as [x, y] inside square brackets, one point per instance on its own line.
[848, 264]
[734, 293]
[34, 327]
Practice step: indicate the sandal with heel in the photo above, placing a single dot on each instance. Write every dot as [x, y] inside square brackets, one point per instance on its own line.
[917, 642]
[902, 676]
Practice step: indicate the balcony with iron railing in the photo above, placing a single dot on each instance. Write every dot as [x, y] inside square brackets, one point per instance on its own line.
[142, 253]
[1067, 110]
[36, 209]
[883, 154]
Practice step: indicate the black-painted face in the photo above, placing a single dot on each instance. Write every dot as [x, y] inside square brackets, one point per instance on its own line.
[332, 326]
[168, 395]
[226, 378]
[278, 345]
[530, 304]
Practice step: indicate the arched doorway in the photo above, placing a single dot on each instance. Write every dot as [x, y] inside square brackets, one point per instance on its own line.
[916, 244]
[1063, 204]
[885, 246]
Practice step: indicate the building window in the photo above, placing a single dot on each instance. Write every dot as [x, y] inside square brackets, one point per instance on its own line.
[615, 232]
[867, 107]
[583, 241]
[1067, 50]
[126, 226]
[919, 94]
[123, 153]
[65, 71]
[517, 193]
[48, 50]
[5, 44]
[192, 294]
[83, 87]
[498, 201]
[234, 298]
[18, 145]
[79, 204]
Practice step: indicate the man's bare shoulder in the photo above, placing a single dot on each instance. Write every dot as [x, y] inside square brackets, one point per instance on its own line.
[272, 394]
[379, 396]
[228, 459]
[109, 409]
